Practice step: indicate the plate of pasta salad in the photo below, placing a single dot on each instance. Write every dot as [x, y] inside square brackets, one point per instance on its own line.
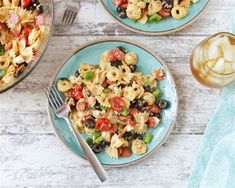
[122, 97]
[25, 27]
[154, 17]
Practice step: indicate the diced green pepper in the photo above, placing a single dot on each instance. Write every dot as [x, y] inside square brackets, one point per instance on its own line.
[155, 18]
[148, 137]
[96, 134]
[98, 140]
[88, 75]
[103, 107]
[2, 49]
[125, 112]
[156, 92]
[146, 83]
[89, 141]
[2, 72]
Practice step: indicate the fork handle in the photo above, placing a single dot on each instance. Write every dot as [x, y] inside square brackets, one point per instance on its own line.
[95, 163]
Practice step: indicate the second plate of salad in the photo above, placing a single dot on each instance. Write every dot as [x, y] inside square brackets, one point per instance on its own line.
[154, 17]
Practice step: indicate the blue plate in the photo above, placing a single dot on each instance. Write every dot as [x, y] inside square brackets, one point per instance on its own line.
[165, 26]
[89, 53]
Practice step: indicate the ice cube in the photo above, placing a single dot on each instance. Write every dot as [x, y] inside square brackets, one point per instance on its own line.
[228, 68]
[214, 52]
[228, 52]
[211, 63]
[219, 65]
[220, 41]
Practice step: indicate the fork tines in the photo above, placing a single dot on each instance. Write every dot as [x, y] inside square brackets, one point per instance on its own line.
[69, 15]
[53, 96]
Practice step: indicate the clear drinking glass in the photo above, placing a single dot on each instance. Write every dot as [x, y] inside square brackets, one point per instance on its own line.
[212, 61]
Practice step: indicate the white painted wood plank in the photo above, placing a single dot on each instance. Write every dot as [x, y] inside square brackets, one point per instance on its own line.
[41, 161]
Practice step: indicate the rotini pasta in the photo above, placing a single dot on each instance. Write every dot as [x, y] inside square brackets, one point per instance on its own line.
[114, 104]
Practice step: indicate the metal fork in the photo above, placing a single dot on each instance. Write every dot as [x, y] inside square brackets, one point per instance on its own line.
[62, 111]
[69, 15]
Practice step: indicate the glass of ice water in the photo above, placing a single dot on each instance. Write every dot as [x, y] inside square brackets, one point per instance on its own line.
[213, 60]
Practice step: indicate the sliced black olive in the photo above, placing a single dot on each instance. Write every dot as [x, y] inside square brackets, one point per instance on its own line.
[90, 123]
[19, 70]
[120, 9]
[96, 148]
[123, 14]
[168, 3]
[103, 143]
[116, 63]
[134, 104]
[122, 85]
[139, 136]
[141, 103]
[40, 9]
[148, 89]
[77, 74]
[162, 104]
[133, 68]
[128, 136]
[34, 4]
[122, 49]
[97, 106]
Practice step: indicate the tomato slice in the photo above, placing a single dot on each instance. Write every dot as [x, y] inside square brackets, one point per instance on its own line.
[25, 3]
[165, 12]
[160, 74]
[76, 92]
[131, 121]
[117, 103]
[113, 128]
[151, 122]
[3, 27]
[133, 111]
[155, 109]
[103, 124]
[119, 54]
[116, 54]
[124, 152]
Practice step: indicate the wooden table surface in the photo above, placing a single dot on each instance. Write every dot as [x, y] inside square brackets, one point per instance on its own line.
[32, 156]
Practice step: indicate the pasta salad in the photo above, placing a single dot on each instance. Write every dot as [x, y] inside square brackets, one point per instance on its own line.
[22, 32]
[153, 11]
[114, 104]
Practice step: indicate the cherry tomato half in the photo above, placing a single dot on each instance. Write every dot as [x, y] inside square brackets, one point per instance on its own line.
[25, 3]
[117, 103]
[155, 109]
[151, 122]
[160, 74]
[165, 12]
[103, 124]
[76, 92]
[124, 152]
